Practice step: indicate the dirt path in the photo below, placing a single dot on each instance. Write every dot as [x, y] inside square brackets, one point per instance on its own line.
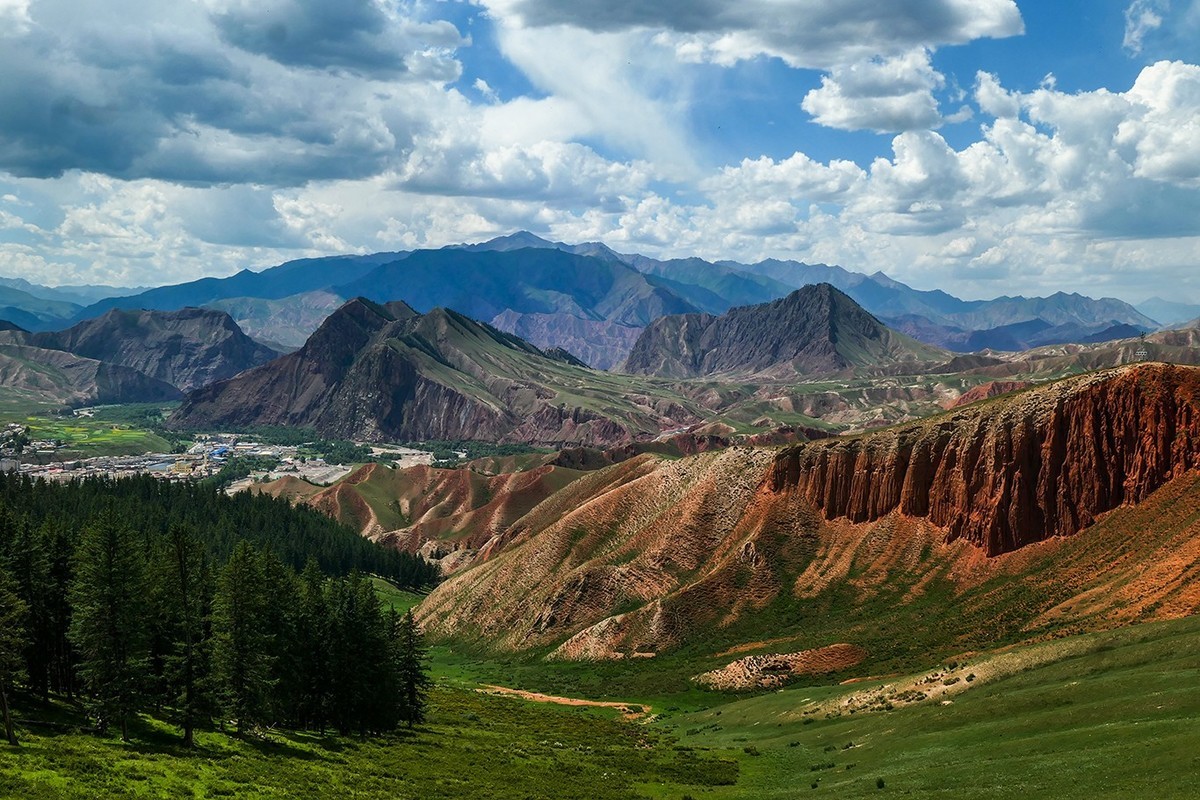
[628, 710]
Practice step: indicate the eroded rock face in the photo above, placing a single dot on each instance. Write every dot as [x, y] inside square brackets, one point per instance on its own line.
[1003, 475]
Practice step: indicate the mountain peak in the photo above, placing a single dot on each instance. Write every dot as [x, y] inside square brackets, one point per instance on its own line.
[513, 241]
[187, 348]
[440, 375]
[814, 330]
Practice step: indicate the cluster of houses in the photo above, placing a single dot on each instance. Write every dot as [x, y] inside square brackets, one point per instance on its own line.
[203, 459]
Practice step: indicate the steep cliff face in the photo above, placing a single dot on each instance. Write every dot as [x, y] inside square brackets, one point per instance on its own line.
[1018, 470]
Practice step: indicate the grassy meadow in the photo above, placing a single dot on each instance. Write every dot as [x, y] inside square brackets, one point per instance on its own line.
[1112, 714]
[113, 431]
[1099, 715]
[474, 746]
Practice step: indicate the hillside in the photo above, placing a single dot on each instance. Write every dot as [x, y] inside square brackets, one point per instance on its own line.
[816, 545]
[34, 376]
[387, 373]
[444, 514]
[188, 348]
[813, 331]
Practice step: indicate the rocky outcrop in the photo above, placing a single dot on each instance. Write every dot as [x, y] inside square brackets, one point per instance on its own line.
[777, 669]
[1003, 475]
[815, 330]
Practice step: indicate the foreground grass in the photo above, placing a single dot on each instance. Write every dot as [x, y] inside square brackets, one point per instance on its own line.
[475, 746]
[1115, 717]
[1101, 715]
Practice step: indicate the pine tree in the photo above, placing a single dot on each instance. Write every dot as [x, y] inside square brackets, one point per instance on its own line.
[241, 642]
[58, 541]
[31, 573]
[345, 661]
[280, 620]
[187, 597]
[373, 644]
[108, 628]
[411, 657]
[12, 646]
[312, 663]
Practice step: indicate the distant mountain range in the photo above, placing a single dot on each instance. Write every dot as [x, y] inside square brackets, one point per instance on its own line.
[813, 331]
[384, 372]
[126, 356]
[188, 348]
[1170, 313]
[588, 299]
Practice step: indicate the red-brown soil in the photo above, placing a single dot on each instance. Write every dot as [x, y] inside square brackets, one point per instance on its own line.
[987, 390]
[439, 512]
[1018, 470]
[1072, 506]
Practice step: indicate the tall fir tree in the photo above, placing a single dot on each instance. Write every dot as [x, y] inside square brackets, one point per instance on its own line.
[280, 619]
[31, 571]
[411, 669]
[242, 644]
[58, 541]
[312, 663]
[108, 628]
[12, 646]
[186, 596]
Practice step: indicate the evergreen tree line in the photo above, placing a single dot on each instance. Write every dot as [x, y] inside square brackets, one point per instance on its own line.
[167, 630]
[154, 603]
[153, 507]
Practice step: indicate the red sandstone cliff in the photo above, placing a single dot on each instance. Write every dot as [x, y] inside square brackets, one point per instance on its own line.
[1006, 474]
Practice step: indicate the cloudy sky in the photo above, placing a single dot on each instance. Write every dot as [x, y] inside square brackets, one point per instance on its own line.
[981, 146]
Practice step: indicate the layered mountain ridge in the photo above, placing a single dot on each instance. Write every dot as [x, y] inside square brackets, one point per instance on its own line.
[387, 373]
[547, 293]
[815, 330]
[651, 555]
[188, 348]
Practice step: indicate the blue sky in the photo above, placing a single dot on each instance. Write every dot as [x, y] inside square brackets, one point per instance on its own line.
[985, 147]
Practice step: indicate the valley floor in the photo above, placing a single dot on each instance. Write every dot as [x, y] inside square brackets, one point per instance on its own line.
[1110, 714]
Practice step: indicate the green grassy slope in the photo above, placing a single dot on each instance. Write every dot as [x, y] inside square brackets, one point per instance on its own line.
[475, 746]
[1097, 715]
[1111, 714]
